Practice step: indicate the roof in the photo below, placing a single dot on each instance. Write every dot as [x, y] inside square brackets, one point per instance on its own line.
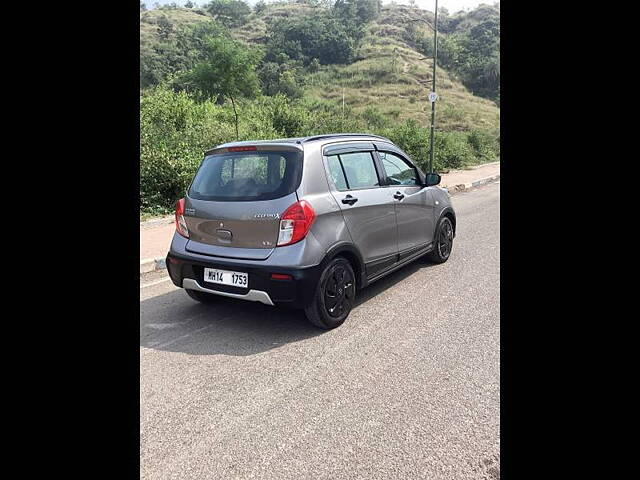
[300, 140]
[342, 135]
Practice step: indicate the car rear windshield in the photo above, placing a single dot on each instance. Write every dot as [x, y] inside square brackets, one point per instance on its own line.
[247, 176]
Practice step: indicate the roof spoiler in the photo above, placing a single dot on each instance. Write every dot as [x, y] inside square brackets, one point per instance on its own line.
[248, 146]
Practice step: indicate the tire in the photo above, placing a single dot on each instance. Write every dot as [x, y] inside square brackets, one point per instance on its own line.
[443, 242]
[202, 297]
[337, 280]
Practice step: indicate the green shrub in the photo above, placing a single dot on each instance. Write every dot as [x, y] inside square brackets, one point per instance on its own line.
[374, 118]
[485, 146]
[452, 151]
[278, 78]
[411, 138]
[287, 119]
[171, 144]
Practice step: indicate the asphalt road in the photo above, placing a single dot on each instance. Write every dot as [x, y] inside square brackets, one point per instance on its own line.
[408, 387]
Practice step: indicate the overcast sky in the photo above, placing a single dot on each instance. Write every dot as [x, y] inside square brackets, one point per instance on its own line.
[452, 5]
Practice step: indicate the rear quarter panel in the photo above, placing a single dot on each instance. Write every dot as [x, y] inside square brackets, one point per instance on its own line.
[329, 227]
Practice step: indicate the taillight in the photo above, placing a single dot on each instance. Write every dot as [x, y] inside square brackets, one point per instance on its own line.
[181, 224]
[295, 223]
[242, 149]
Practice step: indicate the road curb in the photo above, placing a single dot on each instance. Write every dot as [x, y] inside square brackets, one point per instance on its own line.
[152, 265]
[465, 187]
[154, 222]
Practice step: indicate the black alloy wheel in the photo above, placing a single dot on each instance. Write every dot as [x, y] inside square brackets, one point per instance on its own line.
[335, 295]
[444, 241]
[445, 238]
[339, 291]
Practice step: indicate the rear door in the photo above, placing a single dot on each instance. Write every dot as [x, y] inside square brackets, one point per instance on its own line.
[413, 203]
[367, 208]
[234, 204]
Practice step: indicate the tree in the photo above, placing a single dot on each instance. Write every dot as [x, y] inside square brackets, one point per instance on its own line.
[165, 27]
[231, 13]
[492, 69]
[445, 22]
[228, 70]
[353, 14]
[280, 78]
[368, 10]
[259, 6]
[179, 52]
[345, 9]
[472, 53]
[190, 40]
[143, 7]
[318, 35]
[189, 4]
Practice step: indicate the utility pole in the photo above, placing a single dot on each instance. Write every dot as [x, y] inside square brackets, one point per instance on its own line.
[342, 126]
[432, 95]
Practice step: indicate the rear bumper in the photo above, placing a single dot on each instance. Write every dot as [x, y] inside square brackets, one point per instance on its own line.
[251, 295]
[187, 271]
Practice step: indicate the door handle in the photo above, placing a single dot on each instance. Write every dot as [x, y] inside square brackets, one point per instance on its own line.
[349, 200]
[398, 195]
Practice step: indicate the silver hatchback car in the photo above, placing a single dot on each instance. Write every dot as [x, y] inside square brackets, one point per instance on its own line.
[306, 222]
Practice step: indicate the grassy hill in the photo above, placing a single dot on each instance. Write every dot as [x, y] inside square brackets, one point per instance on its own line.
[392, 76]
[388, 76]
[178, 17]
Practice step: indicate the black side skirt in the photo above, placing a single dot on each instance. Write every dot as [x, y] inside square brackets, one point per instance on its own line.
[380, 268]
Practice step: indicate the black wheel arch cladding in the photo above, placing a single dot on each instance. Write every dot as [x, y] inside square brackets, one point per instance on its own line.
[351, 253]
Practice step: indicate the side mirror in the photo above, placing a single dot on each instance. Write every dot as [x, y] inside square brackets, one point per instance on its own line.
[431, 179]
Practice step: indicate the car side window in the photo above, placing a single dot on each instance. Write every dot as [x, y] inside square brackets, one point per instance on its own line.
[359, 170]
[351, 171]
[337, 174]
[398, 171]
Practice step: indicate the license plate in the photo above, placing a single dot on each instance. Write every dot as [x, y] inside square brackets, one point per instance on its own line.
[226, 277]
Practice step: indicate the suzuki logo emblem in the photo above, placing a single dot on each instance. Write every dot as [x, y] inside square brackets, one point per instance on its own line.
[221, 224]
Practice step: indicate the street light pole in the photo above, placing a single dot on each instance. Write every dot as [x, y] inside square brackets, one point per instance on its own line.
[433, 88]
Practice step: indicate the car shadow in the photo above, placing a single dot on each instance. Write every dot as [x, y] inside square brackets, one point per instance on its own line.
[174, 322]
